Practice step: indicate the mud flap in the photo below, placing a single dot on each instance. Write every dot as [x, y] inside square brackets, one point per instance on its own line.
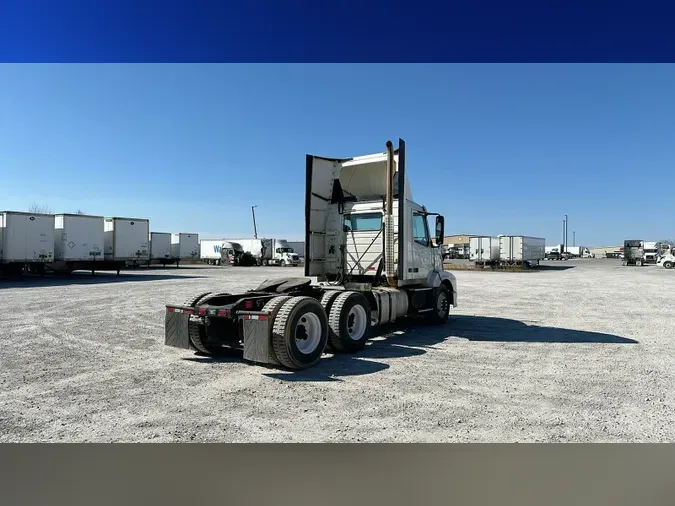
[257, 338]
[176, 327]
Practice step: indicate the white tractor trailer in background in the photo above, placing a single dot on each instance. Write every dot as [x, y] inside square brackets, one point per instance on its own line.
[375, 257]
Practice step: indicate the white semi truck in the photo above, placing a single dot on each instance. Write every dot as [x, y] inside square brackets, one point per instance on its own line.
[369, 246]
[652, 252]
[279, 252]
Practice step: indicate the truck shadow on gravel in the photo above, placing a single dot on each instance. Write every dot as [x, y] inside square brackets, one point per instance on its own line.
[483, 328]
[548, 267]
[404, 341]
[85, 278]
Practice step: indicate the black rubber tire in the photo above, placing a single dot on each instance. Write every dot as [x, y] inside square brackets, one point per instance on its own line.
[283, 333]
[434, 316]
[327, 302]
[273, 306]
[668, 265]
[338, 334]
[192, 301]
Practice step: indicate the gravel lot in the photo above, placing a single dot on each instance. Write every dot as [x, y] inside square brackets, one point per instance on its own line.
[580, 351]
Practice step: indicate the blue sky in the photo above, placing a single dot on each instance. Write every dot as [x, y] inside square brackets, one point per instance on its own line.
[496, 148]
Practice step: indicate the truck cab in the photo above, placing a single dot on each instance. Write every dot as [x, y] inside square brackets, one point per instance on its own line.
[652, 252]
[279, 252]
[364, 228]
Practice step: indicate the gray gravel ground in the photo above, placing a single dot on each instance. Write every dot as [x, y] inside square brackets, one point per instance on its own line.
[580, 351]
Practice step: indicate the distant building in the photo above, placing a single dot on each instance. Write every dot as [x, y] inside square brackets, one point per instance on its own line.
[457, 246]
[457, 239]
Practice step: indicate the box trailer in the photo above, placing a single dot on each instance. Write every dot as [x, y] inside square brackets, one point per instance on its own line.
[184, 246]
[160, 248]
[26, 240]
[484, 250]
[521, 250]
[209, 250]
[126, 239]
[78, 237]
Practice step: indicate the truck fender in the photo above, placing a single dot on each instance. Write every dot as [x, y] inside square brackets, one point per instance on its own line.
[436, 277]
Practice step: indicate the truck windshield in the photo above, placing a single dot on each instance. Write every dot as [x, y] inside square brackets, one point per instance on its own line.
[363, 222]
[284, 250]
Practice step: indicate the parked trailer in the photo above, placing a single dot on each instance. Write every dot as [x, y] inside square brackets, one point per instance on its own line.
[126, 241]
[209, 250]
[79, 244]
[633, 252]
[289, 322]
[484, 250]
[184, 246]
[159, 244]
[521, 250]
[26, 241]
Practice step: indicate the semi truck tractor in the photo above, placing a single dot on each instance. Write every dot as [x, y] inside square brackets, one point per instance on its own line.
[279, 252]
[375, 260]
[633, 252]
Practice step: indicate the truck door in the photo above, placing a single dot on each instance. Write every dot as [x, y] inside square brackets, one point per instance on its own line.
[420, 258]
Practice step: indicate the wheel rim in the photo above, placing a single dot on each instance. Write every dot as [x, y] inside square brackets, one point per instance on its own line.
[442, 304]
[308, 333]
[356, 322]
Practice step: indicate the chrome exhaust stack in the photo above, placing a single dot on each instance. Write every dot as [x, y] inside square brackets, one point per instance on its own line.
[389, 264]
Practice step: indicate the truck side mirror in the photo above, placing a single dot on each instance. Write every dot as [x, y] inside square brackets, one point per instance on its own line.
[440, 229]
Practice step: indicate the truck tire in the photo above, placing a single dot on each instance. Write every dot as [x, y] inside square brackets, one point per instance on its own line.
[439, 315]
[197, 334]
[668, 265]
[299, 333]
[273, 306]
[327, 302]
[192, 301]
[349, 322]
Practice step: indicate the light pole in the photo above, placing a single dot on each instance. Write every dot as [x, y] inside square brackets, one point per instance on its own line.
[574, 238]
[566, 224]
[255, 229]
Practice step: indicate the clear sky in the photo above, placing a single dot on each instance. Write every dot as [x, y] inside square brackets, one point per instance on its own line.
[497, 149]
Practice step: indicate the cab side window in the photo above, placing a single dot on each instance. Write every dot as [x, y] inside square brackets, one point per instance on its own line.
[420, 229]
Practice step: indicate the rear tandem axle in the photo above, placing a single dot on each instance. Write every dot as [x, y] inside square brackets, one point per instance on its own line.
[287, 322]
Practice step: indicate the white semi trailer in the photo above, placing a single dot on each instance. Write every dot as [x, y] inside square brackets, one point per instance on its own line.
[484, 250]
[184, 246]
[26, 241]
[160, 248]
[521, 250]
[210, 250]
[370, 247]
[126, 240]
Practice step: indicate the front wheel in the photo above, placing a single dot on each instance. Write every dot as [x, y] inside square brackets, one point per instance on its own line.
[668, 265]
[441, 307]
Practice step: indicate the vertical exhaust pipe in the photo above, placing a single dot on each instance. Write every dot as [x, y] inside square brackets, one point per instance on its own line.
[389, 266]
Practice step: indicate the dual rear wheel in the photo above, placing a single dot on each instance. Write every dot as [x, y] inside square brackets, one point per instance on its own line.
[302, 327]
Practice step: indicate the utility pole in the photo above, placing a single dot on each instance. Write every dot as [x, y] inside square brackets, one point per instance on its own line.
[566, 224]
[574, 238]
[255, 229]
